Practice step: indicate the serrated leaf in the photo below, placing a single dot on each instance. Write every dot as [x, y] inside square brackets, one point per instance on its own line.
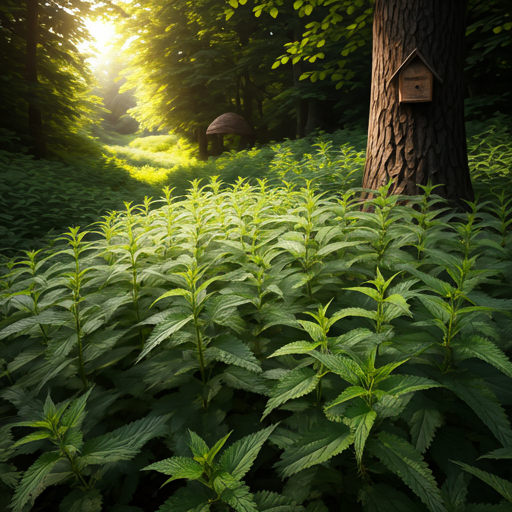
[125, 442]
[359, 312]
[163, 331]
[348, 394]
[398, 385]
[35, 436]
[436, 285]
[74, 415]
[231, 350]
[341, 365]
[82, 501]
[216, 448]
[504, 487]
[366, 290]
[314, 448]
[314, 330]
[336, 246]
[383, 498]
[296, 383]
[240, 498]
[383, 372]
[424, 423]
[483, 349]
[500, 453]
[405, 461]
[187, 499]
[272, 502]
[33, 479]
[47, 317]
[177, 467]
[240, 378]
[197, 445]
[239, 457]
[484, 403]
[296, 347]
[362, 417]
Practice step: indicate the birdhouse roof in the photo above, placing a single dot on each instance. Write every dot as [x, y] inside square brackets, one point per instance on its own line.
[415, 53]
[230, 123]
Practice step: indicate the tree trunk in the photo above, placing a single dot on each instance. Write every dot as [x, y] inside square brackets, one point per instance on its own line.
[202, 141]
[412, 143]
[35, 119]
[248, 96]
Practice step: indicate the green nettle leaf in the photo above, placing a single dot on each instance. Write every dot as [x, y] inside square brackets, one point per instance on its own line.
[485, 350]
[358, 312]
[82, 501]
[343, 366]
[423, 426]
[35, 436]
[502, 486]
[198, 446]
[216, 448]
[296, 383]
[362, 417]
[239, 457]
[240, 378]
[348, 394]
[125, 442]
[240, 499]
[383, 498]
[187, 499]
[405, 461]
[230, 350]
[74, 415]
[314, 448]
[484, 403]
[397, 385]
[314, 330]
[500, 453]
[45, 318]
[32, 483]
[164, 331]
[178, 467]
[296, 347]
[272, 502]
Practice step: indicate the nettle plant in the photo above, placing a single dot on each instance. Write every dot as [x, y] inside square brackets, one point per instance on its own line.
[266, 349]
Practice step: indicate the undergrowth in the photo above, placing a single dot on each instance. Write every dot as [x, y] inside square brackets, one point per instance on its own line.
[268, 349]
[40, 198]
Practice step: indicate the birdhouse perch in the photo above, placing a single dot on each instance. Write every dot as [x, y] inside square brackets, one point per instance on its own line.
[415, 79]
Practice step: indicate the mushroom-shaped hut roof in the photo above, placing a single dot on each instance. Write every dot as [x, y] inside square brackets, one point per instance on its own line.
[230, 123]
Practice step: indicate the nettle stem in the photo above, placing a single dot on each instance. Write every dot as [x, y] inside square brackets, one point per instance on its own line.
[76, 314]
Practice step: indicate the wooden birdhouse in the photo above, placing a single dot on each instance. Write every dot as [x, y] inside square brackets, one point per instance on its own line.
[415, 79]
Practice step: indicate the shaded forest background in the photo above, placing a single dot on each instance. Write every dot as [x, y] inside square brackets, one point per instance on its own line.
[178, 65]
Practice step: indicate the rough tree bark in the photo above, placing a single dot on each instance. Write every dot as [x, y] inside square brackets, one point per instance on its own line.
[411, 143]
[35, 118]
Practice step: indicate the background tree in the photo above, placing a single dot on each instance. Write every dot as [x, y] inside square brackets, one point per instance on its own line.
[411, 143]
[47, 80]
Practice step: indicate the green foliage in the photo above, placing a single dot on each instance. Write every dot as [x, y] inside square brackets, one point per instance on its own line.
[39, 196]
[267, 348]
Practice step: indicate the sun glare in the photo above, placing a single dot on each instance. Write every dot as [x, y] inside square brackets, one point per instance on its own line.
[103, 33]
